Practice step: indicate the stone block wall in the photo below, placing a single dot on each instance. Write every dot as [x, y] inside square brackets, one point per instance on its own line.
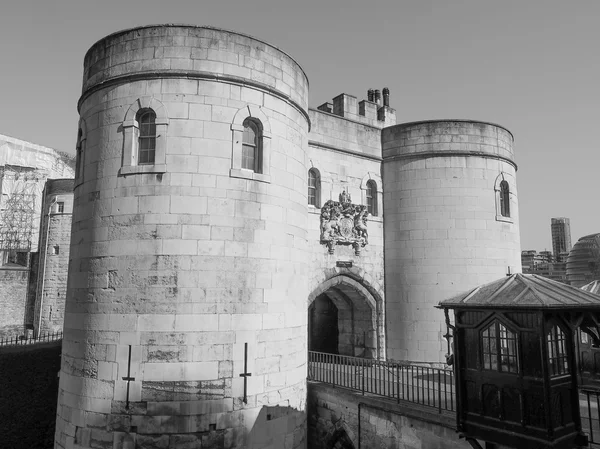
[53, 260]
[337, 416]
[347, 155]
[180, 269]
[444, 231]
[13, 296]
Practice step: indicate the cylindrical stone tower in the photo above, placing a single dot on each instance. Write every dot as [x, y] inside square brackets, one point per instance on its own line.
[185, 322]
[451, 223]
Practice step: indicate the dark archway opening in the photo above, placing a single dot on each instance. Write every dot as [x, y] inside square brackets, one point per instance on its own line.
[342, 320]
[323, 326]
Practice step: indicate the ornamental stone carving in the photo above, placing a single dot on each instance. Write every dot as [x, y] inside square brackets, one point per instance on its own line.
[344, 223]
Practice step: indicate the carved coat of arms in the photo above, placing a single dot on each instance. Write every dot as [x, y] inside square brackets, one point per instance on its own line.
[344, 223]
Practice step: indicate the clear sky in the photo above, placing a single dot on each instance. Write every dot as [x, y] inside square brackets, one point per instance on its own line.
[532, 66]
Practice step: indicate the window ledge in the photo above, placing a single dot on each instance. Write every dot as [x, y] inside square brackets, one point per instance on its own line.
[314, 210]
[133, 169]
[13, 267]
[249, 174]
[504, 219]
[376, 218]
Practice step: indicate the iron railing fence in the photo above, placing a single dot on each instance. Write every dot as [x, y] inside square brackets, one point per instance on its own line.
[418, 384]
[589, 406]
[433, 387]
[23, 340]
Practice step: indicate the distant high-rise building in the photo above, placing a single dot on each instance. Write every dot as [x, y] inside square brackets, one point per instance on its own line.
[543, 264]
[561, 237]
[583, 265]
[546, 257]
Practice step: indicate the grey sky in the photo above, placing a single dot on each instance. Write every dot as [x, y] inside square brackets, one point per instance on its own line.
[530, 65]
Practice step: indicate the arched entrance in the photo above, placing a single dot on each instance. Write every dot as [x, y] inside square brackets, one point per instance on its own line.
[323, 326]
[344, 318]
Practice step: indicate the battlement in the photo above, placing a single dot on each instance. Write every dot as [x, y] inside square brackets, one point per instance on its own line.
[374, 111]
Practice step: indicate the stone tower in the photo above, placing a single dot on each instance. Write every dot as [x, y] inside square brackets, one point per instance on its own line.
[55, 236]
[185, 321]
[450, 224]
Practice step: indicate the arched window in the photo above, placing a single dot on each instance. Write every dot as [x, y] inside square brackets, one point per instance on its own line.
[251, 145]
[146, 119]
[557, 351]
[372, 197]
[499, 348]
[504, 199]
[314, 188]
[145, 137]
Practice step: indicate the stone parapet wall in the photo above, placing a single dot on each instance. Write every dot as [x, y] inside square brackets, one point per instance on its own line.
[330, 132]
[338, 416]
[196, 51]
[447, 136]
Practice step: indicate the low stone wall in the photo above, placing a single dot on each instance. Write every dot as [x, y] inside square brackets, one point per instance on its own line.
[342, 419]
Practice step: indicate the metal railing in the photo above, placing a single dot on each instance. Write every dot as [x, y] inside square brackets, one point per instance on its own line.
[23, 340]
[422, 385]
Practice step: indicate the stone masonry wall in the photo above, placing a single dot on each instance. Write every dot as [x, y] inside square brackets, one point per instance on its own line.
[176, 267]
[13, 295]
[53, 263]
[350, 158]
[444, 232]
[337, 415]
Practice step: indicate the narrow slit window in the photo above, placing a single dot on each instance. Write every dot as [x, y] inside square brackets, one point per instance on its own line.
[79, 155]
[372, 198]
[313, 188]
[504, 199]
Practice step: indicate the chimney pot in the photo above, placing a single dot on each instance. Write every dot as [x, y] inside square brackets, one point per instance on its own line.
[386, 97]
[370, 95]
[377, 96]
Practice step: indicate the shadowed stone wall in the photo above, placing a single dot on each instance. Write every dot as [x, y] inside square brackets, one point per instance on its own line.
[339, 418]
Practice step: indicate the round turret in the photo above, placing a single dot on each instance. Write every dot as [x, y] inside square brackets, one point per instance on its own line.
[451, 224]
[185, 322]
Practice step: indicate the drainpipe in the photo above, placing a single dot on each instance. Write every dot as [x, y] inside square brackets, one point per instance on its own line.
[39, 326]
